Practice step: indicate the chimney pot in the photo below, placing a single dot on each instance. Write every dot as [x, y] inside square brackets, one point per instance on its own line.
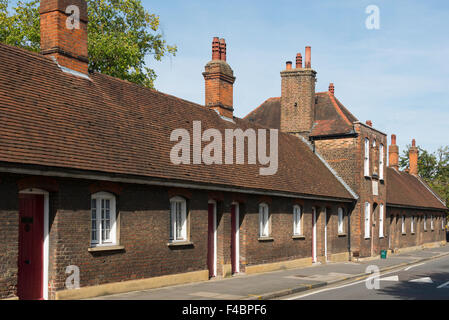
[299, 61]
[215, 49]
[223, 49]
[413, 143]
[331, 88]
[308, 57]
[369, 122]
[288, 65]
[393, 139]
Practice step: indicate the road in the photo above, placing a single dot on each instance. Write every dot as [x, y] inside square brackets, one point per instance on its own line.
[428, 280]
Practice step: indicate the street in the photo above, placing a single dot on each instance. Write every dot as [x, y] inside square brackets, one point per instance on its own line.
[427, 280]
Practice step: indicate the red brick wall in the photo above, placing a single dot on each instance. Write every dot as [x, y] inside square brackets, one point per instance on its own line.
[420, 236]
[9, 236]
[346, 156]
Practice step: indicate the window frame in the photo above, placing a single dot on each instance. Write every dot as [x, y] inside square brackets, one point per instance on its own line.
[381, 161]
[381, 221]
[412, 224]
[367, 216]
[264, 223]
[432, 227]
[173, 220]
[341, 220]
[425, 222]
[99, 197]
[366, 159]
[403, 229]
[297, 221]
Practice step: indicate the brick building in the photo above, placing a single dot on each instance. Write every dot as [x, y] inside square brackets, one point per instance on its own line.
[358, 154]
[88, 190]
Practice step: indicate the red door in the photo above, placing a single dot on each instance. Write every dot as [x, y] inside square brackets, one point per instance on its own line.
[233, 239]
[211, 240]
[31, 245]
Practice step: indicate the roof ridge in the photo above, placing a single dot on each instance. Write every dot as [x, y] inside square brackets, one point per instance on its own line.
[429, 188]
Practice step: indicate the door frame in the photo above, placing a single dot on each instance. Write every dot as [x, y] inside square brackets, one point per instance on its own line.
[325, 234]
[215, 234]
[314, 242]
[46, 236]
[237, 235]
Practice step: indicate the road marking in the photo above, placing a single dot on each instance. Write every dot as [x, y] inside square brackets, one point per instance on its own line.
[416, 265]
[423, 280]
[446, 284]
[333, 288]
[392, 278]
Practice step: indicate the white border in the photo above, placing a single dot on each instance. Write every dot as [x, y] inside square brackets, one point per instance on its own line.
[237, 235]
[46, 236]
[314, 242]
[215, 235]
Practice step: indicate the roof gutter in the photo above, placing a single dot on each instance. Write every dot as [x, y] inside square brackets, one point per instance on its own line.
[154, 182]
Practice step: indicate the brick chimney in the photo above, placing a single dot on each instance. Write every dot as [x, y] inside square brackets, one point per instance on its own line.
[413, 158]
[298, 97]
[64, 32]
[393, 153]
[219, 80]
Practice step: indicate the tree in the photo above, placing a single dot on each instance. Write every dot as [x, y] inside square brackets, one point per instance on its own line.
[121, 34]
[433, 168]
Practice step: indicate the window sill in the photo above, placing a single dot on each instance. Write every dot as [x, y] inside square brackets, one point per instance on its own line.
[298, 236]
[265, 239]
[106, 248]
[403, 233]
[381, 237]
[180, 243]
[342, 235]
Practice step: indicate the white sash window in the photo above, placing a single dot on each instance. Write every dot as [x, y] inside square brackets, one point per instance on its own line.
[297, 220]
[264, 218]
[103, 218]
[178, 219]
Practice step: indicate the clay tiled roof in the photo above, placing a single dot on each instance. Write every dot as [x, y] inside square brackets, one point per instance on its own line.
[54, 119]
[407, 190]
[331, 117]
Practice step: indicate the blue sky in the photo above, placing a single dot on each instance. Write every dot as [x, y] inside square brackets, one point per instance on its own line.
[397, 76]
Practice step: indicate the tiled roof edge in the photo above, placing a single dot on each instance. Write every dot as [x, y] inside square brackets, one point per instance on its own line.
[431, 191]
[347, 187]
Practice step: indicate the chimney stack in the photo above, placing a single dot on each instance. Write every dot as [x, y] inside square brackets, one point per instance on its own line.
[413, 158]
[298, 97]
[393, 153]
[308, 64]
[63, 36]
[331, 88]
[298, 61]
[219, 81]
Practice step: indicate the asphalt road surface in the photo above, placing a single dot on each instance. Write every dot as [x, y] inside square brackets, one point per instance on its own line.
[423, 281]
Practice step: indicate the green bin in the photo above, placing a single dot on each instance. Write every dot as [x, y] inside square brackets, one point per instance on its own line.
[383, 254]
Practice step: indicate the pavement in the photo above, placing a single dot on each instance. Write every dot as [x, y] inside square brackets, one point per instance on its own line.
[284, 283]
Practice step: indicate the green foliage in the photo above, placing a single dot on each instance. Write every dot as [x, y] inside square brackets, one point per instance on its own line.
[121, 34]
[433, 168]
[21, 28]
